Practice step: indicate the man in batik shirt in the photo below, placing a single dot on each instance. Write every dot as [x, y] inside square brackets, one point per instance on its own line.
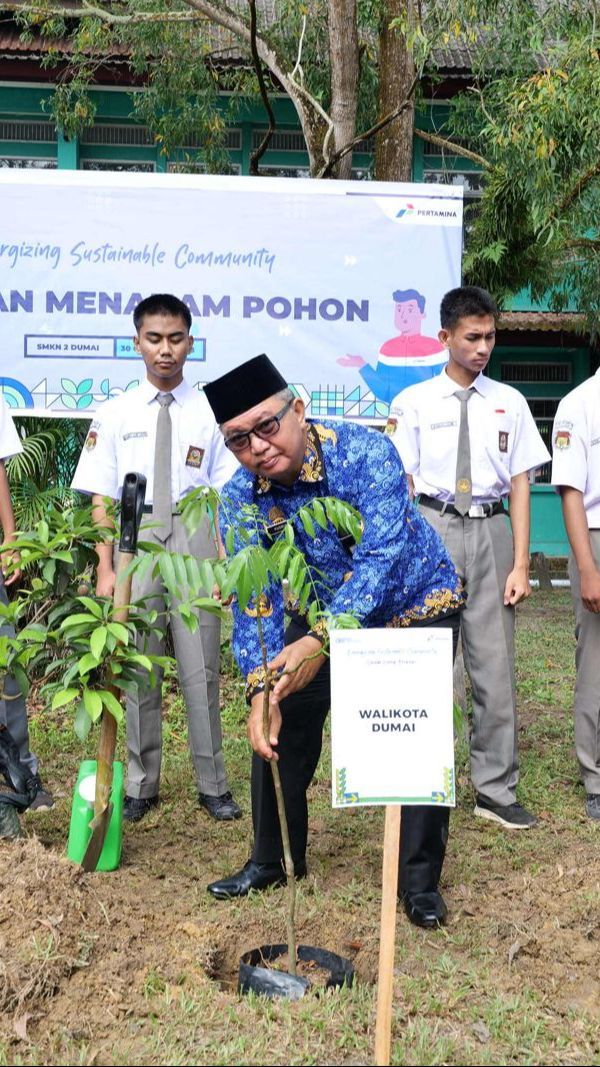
[399, 575]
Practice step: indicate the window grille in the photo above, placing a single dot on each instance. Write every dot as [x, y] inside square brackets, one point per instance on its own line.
[22, 130]
[536, 373]
[107, 133]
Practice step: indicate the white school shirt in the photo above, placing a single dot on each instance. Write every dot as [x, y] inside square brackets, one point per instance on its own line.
[123, 435]
[576, 445]
[10, 442]
[424, 423]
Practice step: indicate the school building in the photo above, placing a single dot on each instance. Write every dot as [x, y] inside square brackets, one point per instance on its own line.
[541, 353]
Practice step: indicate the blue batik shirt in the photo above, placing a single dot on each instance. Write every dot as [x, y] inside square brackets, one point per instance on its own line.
[399, 575]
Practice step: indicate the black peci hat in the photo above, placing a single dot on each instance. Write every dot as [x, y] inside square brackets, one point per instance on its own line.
[243, 388]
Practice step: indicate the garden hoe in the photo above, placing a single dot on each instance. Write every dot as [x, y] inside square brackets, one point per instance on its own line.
[108, 798]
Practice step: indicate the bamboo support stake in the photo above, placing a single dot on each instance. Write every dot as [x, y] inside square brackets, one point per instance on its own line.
[387, 943]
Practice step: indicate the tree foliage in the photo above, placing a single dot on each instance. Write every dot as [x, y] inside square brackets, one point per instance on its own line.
[527, 117]
[40, 476]
[531, 116]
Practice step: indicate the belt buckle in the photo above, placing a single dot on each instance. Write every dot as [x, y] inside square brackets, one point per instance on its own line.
[477, 511]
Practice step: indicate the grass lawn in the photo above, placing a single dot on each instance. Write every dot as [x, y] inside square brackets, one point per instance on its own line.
[138, 966]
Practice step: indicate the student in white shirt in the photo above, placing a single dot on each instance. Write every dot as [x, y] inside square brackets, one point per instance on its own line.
[576, 472]
[122, 438]
[462, 493]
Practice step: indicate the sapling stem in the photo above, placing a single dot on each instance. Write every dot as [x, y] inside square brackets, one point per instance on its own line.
[283, 824]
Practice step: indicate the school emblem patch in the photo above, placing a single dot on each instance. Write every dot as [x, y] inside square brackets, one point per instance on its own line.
[194, 456]
[91, 440]
[463, 485]
[390, 427]
[503, 440]
[562, 439]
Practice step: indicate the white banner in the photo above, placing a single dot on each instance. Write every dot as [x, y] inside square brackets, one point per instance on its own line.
[339, 282]
[391, 717]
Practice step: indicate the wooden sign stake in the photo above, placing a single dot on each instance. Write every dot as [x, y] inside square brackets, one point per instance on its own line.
[387, 942]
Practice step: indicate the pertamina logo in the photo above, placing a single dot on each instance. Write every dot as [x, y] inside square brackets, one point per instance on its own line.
[427, 212]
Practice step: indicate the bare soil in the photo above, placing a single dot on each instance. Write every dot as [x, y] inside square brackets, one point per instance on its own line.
[94, 968]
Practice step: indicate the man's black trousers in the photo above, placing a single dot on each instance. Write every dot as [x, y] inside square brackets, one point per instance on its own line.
[424, 829]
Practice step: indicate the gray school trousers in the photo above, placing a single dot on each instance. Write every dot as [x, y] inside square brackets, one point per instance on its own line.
[482, 552]
[197, 656]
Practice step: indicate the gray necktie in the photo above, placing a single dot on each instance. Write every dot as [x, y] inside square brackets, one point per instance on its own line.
[162, 507]
[463, 493]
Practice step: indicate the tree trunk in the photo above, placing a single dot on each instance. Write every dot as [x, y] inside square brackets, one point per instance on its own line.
[344, 61]
[394, 145]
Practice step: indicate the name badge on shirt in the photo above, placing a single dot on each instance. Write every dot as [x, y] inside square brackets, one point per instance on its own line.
[134, 434]
[503, 440]
[194, 457]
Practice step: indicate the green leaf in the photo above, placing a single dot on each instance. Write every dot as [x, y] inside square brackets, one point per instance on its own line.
[230, 541]
[142, 660]
[21, 678]
[78, 620]
[62, 697]
[304, 598]
[119, 631]
[180, 571]
[167, 573]
[63, 556]
[294, 570]
[319, 513]
[307, 522]
[288, 533]
[92, 605]
[283, 559]
[245, 585]
[98, 641]
[93, 704]
[110, 701]
[83, 723]
[87, 663]
[207, 576]
[49, 571]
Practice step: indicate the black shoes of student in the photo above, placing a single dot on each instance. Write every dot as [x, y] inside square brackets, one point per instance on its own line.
[425, 909]
[134, 808]
[222, 808]
[252, 876]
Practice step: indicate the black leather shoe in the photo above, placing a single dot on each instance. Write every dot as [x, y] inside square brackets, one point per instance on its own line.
[425, 909]
[223, 808]
[252, 876]
[134, 808]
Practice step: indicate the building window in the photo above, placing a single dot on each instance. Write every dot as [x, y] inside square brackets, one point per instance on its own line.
[182, 167]
[233, 141]
[113, 133]
[117, 165]
[530, 373]
[27, 131]
[22, 162]
[470, 180]
[358, 173]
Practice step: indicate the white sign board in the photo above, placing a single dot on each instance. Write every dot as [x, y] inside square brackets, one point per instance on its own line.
[339, 282]
[391, 717]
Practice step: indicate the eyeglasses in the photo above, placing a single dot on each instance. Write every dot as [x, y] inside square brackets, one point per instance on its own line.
[264, 429]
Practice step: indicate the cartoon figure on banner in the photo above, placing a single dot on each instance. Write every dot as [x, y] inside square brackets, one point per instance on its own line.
[406, 359]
